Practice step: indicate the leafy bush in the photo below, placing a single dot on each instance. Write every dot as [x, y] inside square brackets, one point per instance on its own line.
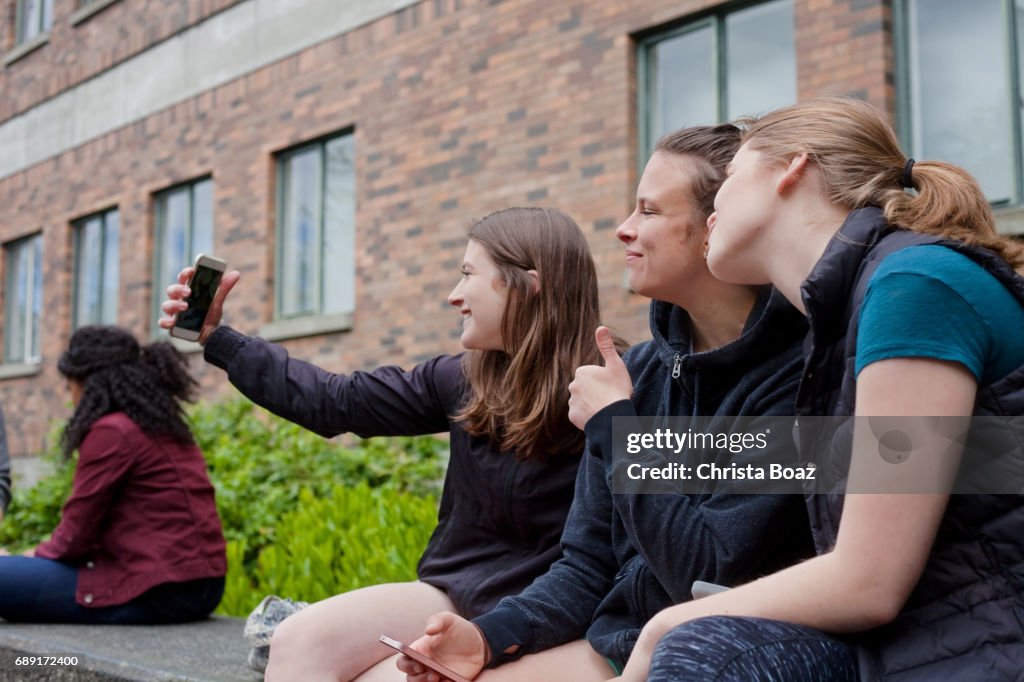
[355, 537]
[266, 471]
[34, 512]
[258, 464]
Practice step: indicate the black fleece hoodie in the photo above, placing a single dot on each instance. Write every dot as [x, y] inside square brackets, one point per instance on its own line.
[500, 516]
[626, 557]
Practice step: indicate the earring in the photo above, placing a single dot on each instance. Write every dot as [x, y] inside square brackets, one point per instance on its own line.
[707, 247]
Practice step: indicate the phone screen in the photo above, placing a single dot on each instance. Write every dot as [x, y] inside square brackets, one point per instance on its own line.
[422, 658]
[204, 285]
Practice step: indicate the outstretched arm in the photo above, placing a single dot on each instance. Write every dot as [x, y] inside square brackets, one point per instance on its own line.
[386, 402]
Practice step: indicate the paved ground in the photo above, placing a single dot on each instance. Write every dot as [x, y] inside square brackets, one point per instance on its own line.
[208, 651]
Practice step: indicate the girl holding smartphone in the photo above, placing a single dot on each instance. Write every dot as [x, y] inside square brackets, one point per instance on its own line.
[529, 303]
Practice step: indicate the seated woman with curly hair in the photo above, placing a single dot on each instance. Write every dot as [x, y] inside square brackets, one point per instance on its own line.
[139, 539]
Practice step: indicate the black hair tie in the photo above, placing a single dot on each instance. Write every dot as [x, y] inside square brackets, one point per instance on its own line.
[907, 181]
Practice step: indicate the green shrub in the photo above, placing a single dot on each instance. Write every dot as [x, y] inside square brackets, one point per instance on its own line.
[356, 536]
[258, 464]
[34, 512]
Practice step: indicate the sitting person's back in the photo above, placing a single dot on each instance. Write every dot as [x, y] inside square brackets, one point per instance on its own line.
[139, 539]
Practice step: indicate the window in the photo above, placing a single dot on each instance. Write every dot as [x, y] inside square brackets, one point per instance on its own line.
[23, 294]
[960, 88]
[34, 18]
[716, 69]
[316, 229]
[184, 229]
[96, 253]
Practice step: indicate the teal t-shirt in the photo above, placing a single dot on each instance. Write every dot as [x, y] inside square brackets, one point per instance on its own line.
[933, 302]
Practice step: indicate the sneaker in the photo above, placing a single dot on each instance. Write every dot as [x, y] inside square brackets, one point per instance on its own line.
[259, 627]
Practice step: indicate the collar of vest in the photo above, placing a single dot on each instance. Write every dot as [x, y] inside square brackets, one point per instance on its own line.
[827, 288]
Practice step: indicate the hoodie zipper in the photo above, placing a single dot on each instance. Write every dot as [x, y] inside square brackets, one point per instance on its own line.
[677, 366]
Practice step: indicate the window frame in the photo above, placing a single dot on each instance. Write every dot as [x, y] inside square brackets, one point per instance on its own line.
[159, 228]
[77, 226]
[10, 249]
[1015, 91]
[645, 74]
[88, 8]
[280, 159]
[19, 22]
[714, 18]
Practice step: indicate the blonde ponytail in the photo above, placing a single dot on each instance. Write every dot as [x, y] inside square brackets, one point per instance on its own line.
[862, 165]
[949, 203]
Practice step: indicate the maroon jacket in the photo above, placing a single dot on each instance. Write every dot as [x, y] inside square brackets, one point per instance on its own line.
[141, 513]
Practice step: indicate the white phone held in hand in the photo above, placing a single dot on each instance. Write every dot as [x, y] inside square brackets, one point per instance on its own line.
[206, 274]
[442, 670]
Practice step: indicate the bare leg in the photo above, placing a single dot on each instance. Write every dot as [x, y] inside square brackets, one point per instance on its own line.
[385, 671]
[573, 662]
[336, 639]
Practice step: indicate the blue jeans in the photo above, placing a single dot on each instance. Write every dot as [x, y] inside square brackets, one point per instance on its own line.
[722, 648]
[34, 590]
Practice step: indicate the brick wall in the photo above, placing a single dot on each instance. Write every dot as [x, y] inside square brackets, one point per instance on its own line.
[845, 46]
[460, 107]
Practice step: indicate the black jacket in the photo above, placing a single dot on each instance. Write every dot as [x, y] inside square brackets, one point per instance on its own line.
[628, 556]
[500, 517]
[965, 618]
[5, 468]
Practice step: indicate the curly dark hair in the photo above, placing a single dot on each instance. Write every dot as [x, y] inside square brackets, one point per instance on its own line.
[117, 375]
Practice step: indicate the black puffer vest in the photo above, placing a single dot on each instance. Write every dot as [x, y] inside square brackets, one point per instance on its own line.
[965, 618]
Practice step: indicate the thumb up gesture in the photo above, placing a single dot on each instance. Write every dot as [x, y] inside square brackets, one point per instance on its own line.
[593, 387]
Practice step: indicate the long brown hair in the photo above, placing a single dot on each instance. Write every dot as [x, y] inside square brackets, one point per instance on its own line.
[520, 396]
[862, 165]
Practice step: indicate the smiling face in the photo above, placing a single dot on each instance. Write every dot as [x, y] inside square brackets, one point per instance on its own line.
[481, 297]
[664, 236]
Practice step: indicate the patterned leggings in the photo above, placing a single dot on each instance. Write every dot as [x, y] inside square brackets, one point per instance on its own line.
[723, 648]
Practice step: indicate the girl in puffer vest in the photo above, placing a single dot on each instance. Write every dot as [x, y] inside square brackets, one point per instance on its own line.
[915, 310]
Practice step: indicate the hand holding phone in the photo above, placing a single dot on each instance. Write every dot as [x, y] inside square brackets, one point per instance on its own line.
[421, 658]
[206, 275]
[178, 296]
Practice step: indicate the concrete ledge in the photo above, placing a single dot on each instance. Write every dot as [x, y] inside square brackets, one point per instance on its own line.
[306, 326]
[1010, 220]
[27, 471]
[208, 651]
[24, 369]
[26, 47]
[83, 13]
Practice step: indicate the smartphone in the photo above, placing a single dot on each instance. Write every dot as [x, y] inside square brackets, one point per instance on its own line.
[701, 589]
[206, 274]
[424, 659]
